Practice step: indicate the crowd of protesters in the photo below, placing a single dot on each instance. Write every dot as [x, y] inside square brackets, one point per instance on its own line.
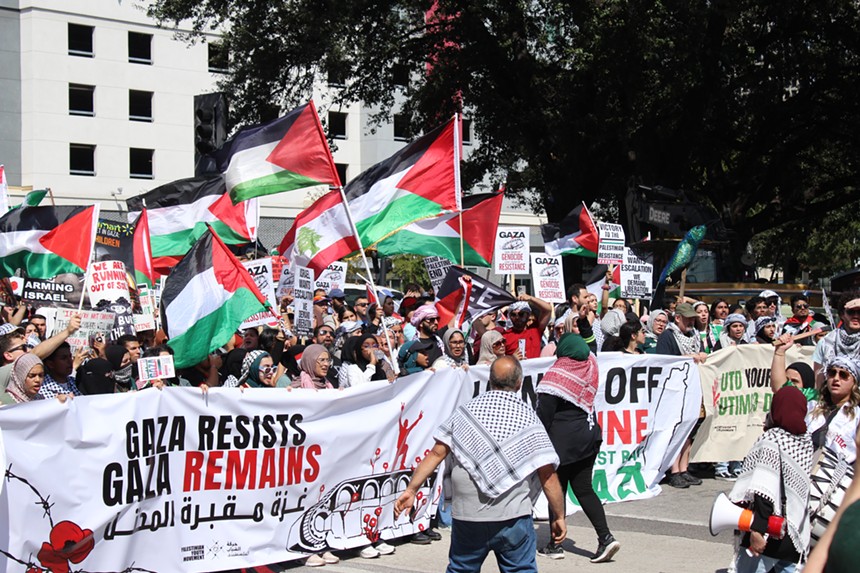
[379, 341]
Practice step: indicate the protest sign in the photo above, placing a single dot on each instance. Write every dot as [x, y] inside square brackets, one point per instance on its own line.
[64, 290]
[108, 289]
[172, 482]
[437, 268]
[511, 255]
[610, 248]
[115, 242]
[303, 302]
[334, 276]
[261, 271]
[93, 323]
[547, 277]
[147, 319]
[737, 391]
[636, 276]
[286, 281]
[155, 367]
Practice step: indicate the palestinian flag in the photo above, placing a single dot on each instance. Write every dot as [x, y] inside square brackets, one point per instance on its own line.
[418, 182]
[205, 299]
[320, 235]
[178, 213]
[576, 234]
[34, 198]
[47, 241]
[144, 274]
[440, 236]
[595, 281]
[288, 154]
[468, 296]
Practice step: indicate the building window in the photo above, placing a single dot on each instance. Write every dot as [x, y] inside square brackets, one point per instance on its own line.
[337, 125]
[401, 127]
[336, 78]
[139, 48]
[400, 75]
[341, 171]
[467, 132]
[81, 100]
[81, 40]
[139, 105]
[219, 58]
[82, 159]
[140, 163]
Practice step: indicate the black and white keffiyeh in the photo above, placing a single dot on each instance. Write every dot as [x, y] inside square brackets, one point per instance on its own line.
[689, 342]
[498, 439]
[777, 452]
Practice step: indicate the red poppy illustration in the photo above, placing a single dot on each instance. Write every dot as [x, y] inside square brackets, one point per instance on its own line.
[68, 543]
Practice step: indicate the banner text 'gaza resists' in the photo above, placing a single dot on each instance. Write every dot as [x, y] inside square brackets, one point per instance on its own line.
[226, 456]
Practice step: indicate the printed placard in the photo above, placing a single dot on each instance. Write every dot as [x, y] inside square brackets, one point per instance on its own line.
[636, 276]
[146, 320]
[93, 323]
[547, 277]
[610, 249]
[155, 367]
[286, 280]
[108, 289]
[261, 271]
[511, 256]
[303, 303]
[63, 290]
[333, 277]
[437, 268]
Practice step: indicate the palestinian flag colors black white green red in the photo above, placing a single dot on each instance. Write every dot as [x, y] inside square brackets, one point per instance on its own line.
[144, 273]
[205, 299]
[467, 296]
[440, 236]
[178, 213]
[288, 154]
[320, 235]
[576, 234]
[418, 182]
[47, 241]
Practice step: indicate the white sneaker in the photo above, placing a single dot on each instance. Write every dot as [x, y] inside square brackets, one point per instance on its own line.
[384, 548]
[330, 558]
[369, 552]
[315, 561]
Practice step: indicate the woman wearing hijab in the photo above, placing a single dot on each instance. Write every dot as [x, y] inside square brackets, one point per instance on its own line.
[557, 332]
[360, 362]
[734, 332]
[454, 342]
[774, 481]
[492, 346]
[657, 322]
[414, 356]
[120, 361]
[313, 368]
[258, 370]
[28, 373]
[566, 409]
[231, 367]
[95, 376]
[346, 329]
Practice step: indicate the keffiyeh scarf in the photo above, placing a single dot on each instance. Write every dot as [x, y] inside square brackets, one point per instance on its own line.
[839, 342]
[574, 381]
[778, 452]
[498, 439]
[688, 343]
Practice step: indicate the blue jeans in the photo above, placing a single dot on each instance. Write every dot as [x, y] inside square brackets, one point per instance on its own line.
[513, 541]
[762, 564]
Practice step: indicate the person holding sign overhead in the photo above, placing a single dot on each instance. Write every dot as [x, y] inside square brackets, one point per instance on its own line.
[521, 340]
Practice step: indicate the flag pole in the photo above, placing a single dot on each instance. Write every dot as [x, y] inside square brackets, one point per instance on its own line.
[458, 190]
[352, 226]
[97, 209]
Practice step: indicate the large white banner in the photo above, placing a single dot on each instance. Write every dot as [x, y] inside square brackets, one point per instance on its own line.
[178, 481]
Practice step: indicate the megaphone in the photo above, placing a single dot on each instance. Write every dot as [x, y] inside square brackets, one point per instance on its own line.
[727, 515]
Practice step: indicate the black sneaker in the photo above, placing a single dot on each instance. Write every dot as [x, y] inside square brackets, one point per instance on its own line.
[691, 479]
[420, 538]
[552, 551]
[677, 480]
[433, 535]
[606, 549]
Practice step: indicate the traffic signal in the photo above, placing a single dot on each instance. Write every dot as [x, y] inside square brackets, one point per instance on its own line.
[210, 129]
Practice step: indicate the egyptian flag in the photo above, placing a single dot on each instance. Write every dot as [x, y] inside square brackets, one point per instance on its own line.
[178, 213]
[205, 299]
[320, 235]
[418, 182]
[440, 236]
[288, 154]
[468, 296]
[576, 234]
[47, 241]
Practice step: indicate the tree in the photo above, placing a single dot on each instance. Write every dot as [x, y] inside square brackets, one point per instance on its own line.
[410, 269]
[751, 104]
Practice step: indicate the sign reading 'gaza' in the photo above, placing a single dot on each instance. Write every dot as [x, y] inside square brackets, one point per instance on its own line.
[511, 256]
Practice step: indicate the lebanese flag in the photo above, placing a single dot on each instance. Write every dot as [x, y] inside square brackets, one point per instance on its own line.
[468, 296]
[205, 299]
[440, 236]
[418, 182]
[290, 153]
[179, 212]
[576, 234]
[320, 235]
[142, 249]
[47, 241]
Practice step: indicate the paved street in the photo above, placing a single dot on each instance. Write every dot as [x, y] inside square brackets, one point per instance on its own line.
[666, 534]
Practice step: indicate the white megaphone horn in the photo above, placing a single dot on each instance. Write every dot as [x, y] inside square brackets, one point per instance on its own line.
[727, 515]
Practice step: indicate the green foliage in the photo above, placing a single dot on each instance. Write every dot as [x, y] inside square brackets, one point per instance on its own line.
[409, 269]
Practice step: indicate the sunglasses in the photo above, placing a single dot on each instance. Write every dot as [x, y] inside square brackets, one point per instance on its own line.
[852, 311]
[267, 370]
[434, 319]
[842, 374]
[498, 343]
[801, 306]
[24, 347]
[327, 332]
[360, 304]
